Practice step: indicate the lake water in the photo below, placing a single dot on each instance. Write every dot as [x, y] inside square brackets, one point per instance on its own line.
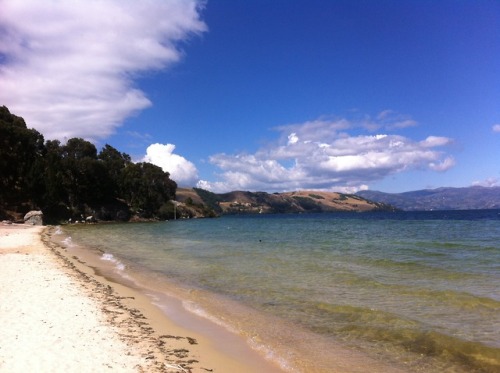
[419, 291]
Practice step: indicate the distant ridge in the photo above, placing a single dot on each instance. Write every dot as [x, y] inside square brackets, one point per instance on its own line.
[470, 198]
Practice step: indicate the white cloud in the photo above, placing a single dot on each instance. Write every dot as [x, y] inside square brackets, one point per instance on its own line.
[68, 67]
[181, 170]
[293, 138]
[490, 182]
[322, 155]
[443, 165]
[325, 129]
[496, 128]
[434, 141]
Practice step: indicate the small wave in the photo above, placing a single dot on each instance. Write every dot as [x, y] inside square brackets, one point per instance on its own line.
[270, 355]
[68, 242]
[197, 310]
[58, 230]
[109, 257]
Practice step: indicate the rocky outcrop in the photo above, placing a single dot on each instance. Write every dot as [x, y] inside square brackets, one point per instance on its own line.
[34, 218]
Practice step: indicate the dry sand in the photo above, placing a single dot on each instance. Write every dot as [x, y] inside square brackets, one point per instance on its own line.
[57, 315]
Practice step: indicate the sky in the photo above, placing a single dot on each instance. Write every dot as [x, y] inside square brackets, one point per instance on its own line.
[262, 95]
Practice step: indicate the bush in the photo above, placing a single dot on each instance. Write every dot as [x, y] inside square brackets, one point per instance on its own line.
[167, 211]
[316, 196]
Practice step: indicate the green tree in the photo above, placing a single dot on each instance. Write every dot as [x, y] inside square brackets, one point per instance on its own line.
[85, 179]
[115, 162]
[55, 200]
[20, 150]
[147, 187]
[71, 179]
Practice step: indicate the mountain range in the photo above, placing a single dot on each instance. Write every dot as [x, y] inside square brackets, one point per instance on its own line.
[471, 198]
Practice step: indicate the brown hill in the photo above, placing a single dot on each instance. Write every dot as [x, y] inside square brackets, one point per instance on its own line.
[240, 202]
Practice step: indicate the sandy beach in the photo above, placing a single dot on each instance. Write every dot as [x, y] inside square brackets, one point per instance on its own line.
[57, 315]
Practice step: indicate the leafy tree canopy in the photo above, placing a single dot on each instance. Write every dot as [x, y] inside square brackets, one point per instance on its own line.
[73, 179]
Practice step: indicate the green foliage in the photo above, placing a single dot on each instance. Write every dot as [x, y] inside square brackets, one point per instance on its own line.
[342, 197]
[210, 199]
[209, 212]
[115, 162]
[353, 196]
[146, 187]
[73, 179]
[84, 178]
[280, 207]
[307, 204]
[20, 152]
[316, 196]
[167, 211]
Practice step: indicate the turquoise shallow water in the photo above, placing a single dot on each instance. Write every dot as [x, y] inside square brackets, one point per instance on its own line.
[417, 289]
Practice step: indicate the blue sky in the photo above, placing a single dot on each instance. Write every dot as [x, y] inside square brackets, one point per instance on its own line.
[267, 95]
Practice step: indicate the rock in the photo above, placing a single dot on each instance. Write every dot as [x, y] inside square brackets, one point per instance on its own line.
[34, 218]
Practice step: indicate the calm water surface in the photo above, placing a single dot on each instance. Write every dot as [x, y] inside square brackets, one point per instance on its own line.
[418, 290]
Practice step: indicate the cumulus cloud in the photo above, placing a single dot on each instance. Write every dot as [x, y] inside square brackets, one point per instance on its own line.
[181, 170]
[490, 182]
[443, 165]
[322, 154]
[328, 128]
[435, 141]
[68, 67]
[496, 128]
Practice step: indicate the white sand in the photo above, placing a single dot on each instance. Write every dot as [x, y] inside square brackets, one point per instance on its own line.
[48, 323]
[58, 315]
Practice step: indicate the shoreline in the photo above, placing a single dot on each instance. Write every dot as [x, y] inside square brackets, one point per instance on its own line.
[263, 342]
[165, 309]
[48, 295]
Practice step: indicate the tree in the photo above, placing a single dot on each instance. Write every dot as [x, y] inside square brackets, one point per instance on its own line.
[85, 179]
[77, 149]
[147, 187]
[55, 201]
[115, 162]
[71, 179]
[20, 149]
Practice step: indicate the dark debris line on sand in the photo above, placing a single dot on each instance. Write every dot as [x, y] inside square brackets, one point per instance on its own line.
[133, 326]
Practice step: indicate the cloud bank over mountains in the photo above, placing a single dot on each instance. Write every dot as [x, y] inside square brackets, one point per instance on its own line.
[327, 154]
[68, 67]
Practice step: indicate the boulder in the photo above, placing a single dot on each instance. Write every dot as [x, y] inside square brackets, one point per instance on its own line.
[34, 218]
